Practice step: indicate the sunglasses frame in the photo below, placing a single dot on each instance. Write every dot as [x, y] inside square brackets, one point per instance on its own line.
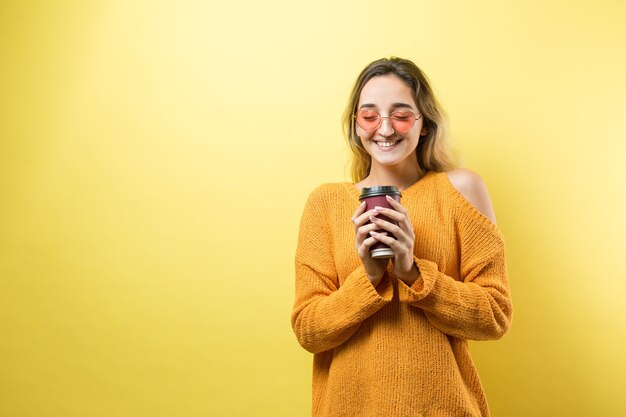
[416, 118]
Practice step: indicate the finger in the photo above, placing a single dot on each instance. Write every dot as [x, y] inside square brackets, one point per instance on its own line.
[363, 218]
[364, 248]
[391, 213]
[401, 215]
[375, 237]
[390, 227]
[399, 249]
[363, 232]
[405, 237]
[359, 211]
[388, 240]
[396, 205]
[400, 241]
[402, 218]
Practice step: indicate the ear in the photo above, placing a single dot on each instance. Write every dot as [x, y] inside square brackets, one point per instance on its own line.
[424, 132]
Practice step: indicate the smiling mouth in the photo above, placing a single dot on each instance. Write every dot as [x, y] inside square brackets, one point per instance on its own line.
[387, 143]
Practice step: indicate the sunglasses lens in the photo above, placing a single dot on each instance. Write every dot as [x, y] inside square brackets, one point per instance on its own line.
[402, 121]
[368, 119]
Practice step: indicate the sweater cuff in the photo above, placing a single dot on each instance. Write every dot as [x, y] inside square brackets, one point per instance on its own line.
[358, 284]
[422, 285]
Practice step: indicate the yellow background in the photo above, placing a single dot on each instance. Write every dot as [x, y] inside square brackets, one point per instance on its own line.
[155, 158]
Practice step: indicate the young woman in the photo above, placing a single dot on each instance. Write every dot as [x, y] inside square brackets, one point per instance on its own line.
[390, 336]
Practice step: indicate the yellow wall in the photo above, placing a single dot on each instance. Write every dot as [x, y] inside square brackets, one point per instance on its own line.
[155, 158]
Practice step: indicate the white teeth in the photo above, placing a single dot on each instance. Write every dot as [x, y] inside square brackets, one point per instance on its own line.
[386, 144]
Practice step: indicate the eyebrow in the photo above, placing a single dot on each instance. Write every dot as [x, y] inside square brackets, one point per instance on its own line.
[394, 105]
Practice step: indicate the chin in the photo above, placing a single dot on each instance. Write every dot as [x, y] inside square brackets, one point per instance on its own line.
[389, 162]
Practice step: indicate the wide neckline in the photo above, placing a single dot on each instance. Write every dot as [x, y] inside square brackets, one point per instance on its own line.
[451, 190]
[356, 192]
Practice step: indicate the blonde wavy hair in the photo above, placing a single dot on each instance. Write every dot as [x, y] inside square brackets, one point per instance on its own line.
[434, 151]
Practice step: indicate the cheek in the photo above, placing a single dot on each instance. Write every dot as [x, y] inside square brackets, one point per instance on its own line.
[363, 135]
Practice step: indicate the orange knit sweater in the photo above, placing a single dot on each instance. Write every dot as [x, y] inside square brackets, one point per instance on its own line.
[396, 350]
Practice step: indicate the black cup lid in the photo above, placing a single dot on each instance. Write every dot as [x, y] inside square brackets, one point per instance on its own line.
[379, 190]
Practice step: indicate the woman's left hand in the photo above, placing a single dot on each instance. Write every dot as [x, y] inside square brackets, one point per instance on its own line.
[404, 265]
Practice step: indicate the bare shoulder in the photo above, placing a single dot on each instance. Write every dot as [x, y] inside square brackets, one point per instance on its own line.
[471, 186]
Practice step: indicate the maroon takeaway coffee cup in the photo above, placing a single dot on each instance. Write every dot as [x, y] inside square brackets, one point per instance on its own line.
[375, 197]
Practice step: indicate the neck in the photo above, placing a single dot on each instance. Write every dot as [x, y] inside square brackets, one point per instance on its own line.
[401, 176]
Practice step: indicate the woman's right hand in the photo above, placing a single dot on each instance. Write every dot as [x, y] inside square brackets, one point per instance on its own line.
[375, 268]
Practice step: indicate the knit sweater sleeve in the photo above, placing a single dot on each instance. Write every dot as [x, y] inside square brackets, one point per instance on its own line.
[478, 306]
[325, 313]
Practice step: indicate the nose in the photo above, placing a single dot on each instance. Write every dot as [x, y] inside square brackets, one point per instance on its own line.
[385, 128]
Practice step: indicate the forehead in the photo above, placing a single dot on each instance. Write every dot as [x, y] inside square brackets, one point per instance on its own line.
[383, 91]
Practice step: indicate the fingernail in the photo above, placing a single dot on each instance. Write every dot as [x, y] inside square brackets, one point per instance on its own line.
[378, 208]
[362, 204]
[372, 218]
